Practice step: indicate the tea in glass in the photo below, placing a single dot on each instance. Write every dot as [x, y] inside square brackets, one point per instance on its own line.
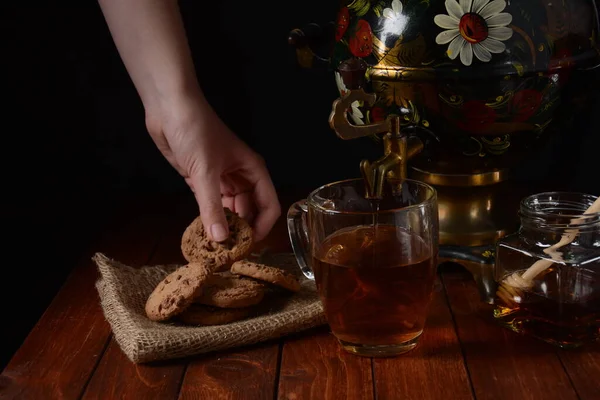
[375, 284]
[373, 264]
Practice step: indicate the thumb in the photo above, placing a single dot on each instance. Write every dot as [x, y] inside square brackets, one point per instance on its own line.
[207, 191]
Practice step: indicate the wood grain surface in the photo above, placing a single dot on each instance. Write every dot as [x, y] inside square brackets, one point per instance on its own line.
[315, 366]
[234, 374]
[62, 351]
[116, 376]
[462, 354]
[501, 363]
[437, 362]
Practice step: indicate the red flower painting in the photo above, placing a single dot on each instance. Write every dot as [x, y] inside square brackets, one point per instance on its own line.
[342, 23]
[361, 43]
[476, 116]
[377, 114]
[524, 104]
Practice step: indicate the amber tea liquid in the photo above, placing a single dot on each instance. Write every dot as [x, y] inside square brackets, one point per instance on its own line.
[375, 284]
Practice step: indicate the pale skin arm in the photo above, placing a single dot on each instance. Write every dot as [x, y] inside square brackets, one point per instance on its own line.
[216, 164]
[151, 40]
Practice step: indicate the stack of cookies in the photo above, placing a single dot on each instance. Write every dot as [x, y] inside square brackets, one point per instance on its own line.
[218, 285]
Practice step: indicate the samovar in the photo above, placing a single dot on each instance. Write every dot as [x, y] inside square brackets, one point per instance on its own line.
[458, 92]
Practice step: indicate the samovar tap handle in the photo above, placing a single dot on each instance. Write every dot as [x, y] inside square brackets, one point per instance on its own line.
[338, 119]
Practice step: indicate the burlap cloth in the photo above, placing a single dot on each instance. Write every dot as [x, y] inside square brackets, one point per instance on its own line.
[123, 292]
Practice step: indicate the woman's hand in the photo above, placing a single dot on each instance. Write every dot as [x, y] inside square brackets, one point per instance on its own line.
[221, 169]
[217, 165]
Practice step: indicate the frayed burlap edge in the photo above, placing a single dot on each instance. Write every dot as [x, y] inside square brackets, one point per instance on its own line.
[123, 291]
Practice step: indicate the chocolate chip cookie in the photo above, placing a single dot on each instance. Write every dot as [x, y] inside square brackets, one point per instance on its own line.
[196, 245]
[177, 291]
[231, 291]
[199, 314]
[273, 275]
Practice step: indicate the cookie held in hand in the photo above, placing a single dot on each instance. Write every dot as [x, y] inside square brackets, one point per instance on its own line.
[196, 245]
[231, 291]
[199, 314]
[177, 291]
[265, 273]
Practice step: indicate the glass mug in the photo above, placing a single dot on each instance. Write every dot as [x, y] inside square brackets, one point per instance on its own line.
[373, 263]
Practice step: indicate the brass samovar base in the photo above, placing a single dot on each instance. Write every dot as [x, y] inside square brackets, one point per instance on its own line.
[474, 212]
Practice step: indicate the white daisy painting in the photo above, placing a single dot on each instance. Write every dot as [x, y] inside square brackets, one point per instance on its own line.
[474, 28]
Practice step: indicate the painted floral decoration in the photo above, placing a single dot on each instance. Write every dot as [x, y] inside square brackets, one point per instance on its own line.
[524, 51]
[476, 116]
[343, 20]
[394, 21]
[355, 113]
[474, 27]
[524, 104]
[361, 43]
[377, 114]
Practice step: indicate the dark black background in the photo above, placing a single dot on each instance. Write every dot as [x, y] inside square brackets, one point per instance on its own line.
[74, 140]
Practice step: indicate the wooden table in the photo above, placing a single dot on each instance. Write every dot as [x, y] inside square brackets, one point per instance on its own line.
[70, 353]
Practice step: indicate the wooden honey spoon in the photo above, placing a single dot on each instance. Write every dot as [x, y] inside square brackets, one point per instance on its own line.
[512, 286]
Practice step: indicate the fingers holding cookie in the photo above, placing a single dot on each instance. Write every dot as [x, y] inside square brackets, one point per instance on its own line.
[196, 245]
[198, 294]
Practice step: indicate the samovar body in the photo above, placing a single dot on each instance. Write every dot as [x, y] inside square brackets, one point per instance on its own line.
[482, 84]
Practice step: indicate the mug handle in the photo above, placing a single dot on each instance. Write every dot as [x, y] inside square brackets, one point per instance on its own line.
[298, 232]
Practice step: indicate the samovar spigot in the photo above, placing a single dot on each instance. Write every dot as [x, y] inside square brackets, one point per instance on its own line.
[398, 148]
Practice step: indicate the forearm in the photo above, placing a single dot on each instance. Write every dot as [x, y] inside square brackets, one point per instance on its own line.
[151, 40]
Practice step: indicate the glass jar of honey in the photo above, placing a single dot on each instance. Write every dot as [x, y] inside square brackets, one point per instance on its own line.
[548, 273]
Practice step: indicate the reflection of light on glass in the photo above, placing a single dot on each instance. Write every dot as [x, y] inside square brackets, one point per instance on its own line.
[442, 211]
[488, 205]
[474, 212]
[328, 204]
[544, 287]
[335, 252]
[591, 260]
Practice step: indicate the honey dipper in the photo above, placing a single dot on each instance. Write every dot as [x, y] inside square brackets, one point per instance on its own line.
[513, 285]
